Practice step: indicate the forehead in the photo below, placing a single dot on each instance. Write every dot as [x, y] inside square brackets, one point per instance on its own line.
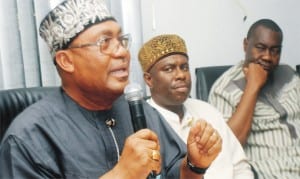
[109, 27]
[173, 59]
[265, 35]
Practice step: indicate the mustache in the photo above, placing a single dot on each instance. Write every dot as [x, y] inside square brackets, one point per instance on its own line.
[183, 84]
[266, 65]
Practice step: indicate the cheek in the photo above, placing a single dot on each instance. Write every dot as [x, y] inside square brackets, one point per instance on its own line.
[253, 56]
[128, 57]
[100, 65]
[253, 53]
[276, 61]
[189, 81]
[95, 72]
[160, 85]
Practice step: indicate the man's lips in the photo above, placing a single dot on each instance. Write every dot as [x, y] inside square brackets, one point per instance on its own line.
[120, 72]
[181, 87]
[266, 65]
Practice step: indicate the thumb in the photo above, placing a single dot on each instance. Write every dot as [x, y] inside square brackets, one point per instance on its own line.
[245, 70]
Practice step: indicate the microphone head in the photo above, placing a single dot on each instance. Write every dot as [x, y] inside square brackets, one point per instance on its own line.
[133, 92]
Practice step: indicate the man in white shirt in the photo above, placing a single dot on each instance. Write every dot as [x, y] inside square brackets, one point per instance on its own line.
[165, 63]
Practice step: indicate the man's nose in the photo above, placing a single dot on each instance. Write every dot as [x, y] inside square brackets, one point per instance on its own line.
[120, 51]
[267, 54]
[180, 73]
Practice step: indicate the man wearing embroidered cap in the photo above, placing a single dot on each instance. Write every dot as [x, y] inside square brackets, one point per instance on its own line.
[164, 60]
[84, 129]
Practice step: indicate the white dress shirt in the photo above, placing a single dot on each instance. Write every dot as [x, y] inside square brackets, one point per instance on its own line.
[231, 163]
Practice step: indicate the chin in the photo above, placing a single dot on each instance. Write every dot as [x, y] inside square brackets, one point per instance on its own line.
[181, 99]
[118, 87]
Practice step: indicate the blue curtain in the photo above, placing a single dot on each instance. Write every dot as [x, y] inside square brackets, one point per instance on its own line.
[25, 60]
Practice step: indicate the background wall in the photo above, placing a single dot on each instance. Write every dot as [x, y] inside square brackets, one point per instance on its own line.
[214, 29]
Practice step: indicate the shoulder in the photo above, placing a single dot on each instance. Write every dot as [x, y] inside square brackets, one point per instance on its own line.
[200, 106]
[204, 110]
[225, 85]
[286, 76]
[233, 73]
[36, 115]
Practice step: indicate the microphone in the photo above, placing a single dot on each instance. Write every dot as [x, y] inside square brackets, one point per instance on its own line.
[134, 96]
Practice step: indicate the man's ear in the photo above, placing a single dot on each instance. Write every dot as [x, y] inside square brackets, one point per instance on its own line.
[64, 61]
[148, 79]
[245, 44]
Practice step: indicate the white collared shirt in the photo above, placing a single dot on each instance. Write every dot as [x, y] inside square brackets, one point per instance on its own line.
[231, 163]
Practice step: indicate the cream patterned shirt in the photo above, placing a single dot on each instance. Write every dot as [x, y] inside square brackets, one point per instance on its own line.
[272, 148]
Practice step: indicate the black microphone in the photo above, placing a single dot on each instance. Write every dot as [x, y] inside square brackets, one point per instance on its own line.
[134, 96]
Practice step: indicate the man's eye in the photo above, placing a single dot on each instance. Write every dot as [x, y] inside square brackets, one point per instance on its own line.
[185, 68]
[104, 43]
[106, 40]
[275, 51]
[168, 69]
[260, 48]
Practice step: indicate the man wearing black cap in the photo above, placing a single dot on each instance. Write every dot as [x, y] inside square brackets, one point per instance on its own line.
[84, 129]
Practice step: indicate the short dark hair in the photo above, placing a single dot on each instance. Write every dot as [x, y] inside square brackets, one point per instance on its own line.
[268, 23]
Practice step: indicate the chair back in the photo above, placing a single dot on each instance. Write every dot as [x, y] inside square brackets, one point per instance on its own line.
[205, 78]
[14, 101]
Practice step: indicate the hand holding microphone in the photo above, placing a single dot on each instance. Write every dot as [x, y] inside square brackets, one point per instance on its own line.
[134, 96]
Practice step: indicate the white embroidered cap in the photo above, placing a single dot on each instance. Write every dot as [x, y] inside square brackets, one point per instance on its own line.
[68, 19]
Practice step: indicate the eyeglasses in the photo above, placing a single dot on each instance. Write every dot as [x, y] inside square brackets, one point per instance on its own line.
[108, 45]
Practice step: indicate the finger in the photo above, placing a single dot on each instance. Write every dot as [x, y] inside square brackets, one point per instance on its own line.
[147, 134]
[245, 69]
[157, 169]
[133, 144]
[149, 138]
[213, 139]
[155, 161]
[205, 136]
[216, 148]
[266, 65]
[149, 144]
[196, 131]
[257, 64]
[155, 155]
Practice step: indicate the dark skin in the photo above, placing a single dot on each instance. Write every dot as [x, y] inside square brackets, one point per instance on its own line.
[262, 56]
[94, 80]
[170, 84]
[169, 81]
